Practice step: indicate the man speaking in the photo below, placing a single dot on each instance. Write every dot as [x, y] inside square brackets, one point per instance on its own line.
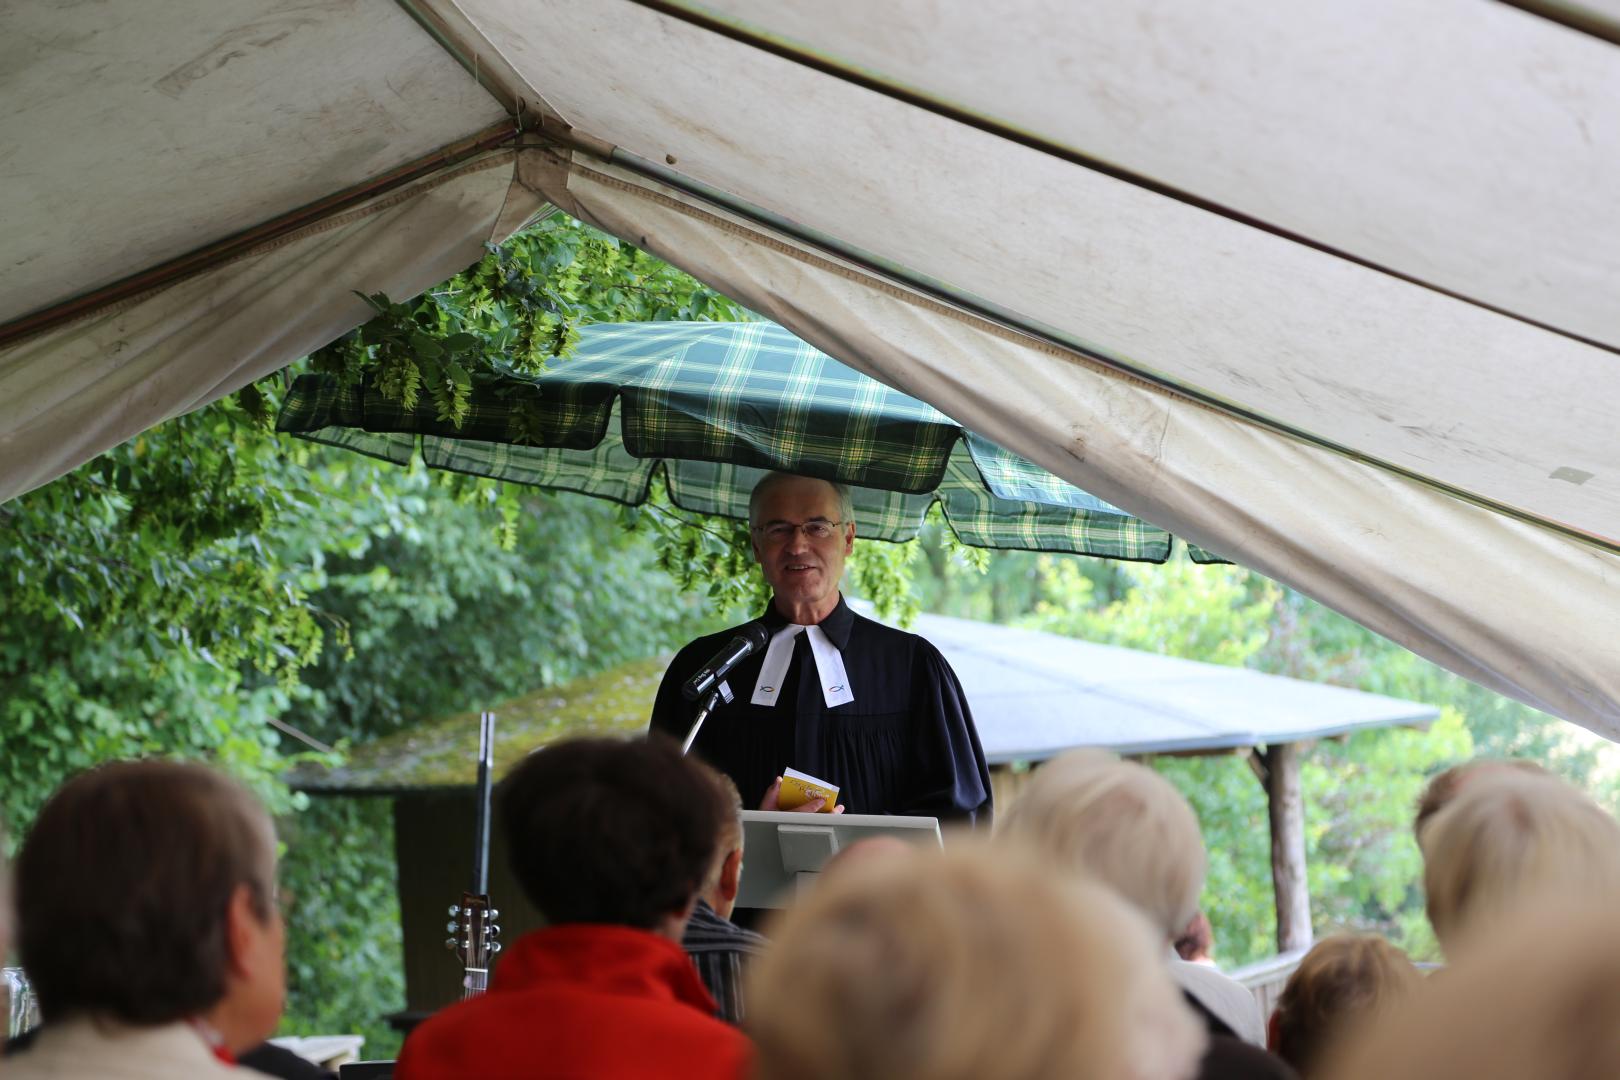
[875, 711]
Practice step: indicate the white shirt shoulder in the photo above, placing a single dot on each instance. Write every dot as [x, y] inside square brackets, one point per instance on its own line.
[109, 1050]
[1224, 996]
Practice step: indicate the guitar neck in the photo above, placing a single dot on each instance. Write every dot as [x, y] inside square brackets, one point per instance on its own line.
[474, 982]
[475, 939]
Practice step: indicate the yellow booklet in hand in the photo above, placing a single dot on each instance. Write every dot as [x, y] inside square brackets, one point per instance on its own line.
[799, 788]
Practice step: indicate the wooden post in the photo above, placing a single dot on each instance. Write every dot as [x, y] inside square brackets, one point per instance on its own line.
[1280, 774]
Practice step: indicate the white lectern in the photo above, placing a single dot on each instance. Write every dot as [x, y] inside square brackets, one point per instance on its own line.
[784, 851]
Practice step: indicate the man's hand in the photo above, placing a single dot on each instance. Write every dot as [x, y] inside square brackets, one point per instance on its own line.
[812, 807]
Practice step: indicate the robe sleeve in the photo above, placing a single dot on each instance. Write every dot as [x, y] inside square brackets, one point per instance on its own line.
[950, 779]
[671, 714]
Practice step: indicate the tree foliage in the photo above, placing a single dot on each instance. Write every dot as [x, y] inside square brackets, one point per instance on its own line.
[187, 590]
[517, 310]
[160, 541]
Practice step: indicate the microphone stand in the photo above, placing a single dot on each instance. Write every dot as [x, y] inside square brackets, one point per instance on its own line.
[713, 698]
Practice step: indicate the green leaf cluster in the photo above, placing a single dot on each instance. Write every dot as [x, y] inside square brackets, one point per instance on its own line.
[516, 310]
[160, 542]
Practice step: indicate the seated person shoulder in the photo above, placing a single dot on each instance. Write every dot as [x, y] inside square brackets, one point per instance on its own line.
[611, 841]
[147, 921]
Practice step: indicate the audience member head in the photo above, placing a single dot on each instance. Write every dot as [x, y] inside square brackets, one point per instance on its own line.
[969, 963]
[612, 831]
[1119, 822]
[1444, 786]
[146, 894]
[1197, 941]
[1343, 983]
[1507, 837]
[875, 848]
[724, 880]
[1535, 995]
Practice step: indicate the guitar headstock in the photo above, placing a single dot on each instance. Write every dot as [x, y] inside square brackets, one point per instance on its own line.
[474, 938]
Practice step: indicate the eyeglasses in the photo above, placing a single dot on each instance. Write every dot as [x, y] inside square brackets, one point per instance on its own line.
[780, 532]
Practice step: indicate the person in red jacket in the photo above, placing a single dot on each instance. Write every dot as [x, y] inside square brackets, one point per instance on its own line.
[611, 841]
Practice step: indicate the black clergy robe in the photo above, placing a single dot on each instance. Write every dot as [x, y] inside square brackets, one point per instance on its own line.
[905, 745]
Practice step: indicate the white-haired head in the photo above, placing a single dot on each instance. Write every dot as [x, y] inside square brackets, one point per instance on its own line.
[1505, 839]
[1120, 823]
[966, 963]
[846, 505]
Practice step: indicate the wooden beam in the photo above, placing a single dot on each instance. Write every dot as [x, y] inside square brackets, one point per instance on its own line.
[1286, 804]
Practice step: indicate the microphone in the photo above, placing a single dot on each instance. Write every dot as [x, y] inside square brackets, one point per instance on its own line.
[749, 639]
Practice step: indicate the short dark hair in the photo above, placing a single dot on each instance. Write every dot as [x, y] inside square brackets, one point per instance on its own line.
[1444, 785]
[123, 887]
[610, 831]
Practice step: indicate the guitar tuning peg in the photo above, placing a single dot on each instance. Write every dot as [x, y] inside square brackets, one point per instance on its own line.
[451, 927]
[494, 913]
[450, 943]
[455, 909]
[494, 930]
[494, 947]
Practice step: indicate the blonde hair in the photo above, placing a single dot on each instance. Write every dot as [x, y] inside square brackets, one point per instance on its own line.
[1508, 836]
[1343, 983]
[964, 964]
[1534, 997]
[1119, 822]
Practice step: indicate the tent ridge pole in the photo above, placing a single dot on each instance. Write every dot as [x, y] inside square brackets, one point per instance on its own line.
[1574, 16]
[195, 262]
[480, 58]
[738, 31]
[973, 306]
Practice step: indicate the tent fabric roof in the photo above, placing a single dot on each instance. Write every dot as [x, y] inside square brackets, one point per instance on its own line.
[1033, 695]
[68, 394]
[137, 134]
[1325, 288]
[1435, 385]
[1398, 133]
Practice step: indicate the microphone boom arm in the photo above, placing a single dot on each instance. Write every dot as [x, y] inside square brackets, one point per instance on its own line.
[720, 691]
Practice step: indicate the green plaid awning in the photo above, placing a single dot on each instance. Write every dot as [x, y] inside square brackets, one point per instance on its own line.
[716, 405]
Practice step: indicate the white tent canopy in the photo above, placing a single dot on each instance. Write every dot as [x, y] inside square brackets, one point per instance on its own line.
[1327, 288]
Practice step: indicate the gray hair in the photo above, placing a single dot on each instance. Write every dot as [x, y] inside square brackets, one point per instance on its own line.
[1117, 822]
[1509, 838]
[890, 970]
[846, 505]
